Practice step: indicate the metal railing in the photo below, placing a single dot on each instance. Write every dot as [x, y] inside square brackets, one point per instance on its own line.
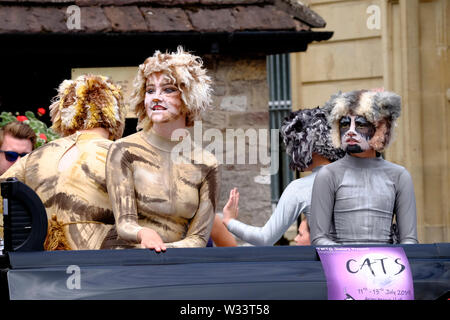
[279, 82]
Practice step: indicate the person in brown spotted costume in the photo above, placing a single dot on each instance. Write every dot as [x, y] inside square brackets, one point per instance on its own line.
[162, 198]
[68, 174]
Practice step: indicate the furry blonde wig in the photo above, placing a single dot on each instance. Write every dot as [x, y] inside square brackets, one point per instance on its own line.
[90, 101]
[307, 131]
[381, 108]
[186, 72]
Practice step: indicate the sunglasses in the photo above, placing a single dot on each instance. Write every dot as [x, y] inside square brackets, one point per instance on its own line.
[12, 156]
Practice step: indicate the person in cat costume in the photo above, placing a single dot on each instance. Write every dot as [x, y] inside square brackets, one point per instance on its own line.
[68, 174]
[357, 199]
[160, 198]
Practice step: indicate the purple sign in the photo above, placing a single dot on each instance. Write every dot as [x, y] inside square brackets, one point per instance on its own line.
[375, 273]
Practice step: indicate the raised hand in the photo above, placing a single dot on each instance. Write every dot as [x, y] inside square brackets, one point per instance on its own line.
[231, 208]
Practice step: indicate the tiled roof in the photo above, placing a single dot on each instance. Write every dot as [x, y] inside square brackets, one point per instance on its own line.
[148, 16]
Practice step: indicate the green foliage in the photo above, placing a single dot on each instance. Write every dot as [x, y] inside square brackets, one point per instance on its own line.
[37, 125]
[6, 117]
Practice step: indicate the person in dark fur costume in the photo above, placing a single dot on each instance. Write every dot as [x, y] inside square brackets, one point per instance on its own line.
[306, 135]
[356, 199]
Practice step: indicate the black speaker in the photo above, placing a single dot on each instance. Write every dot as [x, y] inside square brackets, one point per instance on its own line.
[24, 217]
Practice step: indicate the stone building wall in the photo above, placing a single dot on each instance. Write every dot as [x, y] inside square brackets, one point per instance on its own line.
[241, 103]
[406, 53]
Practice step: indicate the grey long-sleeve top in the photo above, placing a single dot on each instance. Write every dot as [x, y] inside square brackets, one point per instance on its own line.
[354, 200]
[296, 199]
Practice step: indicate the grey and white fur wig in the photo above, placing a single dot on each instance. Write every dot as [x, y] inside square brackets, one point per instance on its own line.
[307, 131]
[381, 108]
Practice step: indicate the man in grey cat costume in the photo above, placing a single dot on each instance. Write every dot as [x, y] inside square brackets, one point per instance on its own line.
[355, 199]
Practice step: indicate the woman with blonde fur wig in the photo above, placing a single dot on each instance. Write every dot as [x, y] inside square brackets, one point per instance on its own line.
[183, 70]
[158, 200]
[68, 174]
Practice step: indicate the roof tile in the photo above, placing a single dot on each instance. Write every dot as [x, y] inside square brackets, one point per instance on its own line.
[125, 19]
[262, 18]
[93, 19]
[135, 2]
[18, 19]
[51, 19]
[235, 2]
[182, 2]
[219, 20]
[36, 16]
[301, 12]
[166, 19]
[39, 2]
[85, 3]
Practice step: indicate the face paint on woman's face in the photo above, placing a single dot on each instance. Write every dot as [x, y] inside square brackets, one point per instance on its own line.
[162, 99]
[355, 133]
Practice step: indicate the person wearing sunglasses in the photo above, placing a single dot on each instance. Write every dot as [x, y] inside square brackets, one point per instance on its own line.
[17, 139]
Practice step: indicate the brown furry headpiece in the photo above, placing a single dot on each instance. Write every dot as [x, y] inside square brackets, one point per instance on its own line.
[381, 108]
[186, 72]
[90, 101]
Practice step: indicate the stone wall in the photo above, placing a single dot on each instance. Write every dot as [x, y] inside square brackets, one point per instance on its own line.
[241, 102]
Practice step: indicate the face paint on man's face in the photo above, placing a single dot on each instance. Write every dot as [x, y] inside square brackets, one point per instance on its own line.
[355, 133]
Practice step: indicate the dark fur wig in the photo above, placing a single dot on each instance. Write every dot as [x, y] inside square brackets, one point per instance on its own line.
[382, 108]
[307, 131]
